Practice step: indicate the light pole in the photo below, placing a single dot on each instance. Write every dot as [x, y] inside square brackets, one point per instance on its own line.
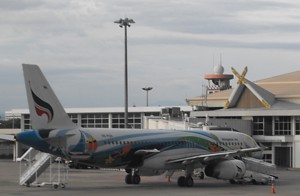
[125, 23]
[147, 89]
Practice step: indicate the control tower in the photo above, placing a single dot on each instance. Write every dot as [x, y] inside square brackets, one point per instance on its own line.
[218, 81]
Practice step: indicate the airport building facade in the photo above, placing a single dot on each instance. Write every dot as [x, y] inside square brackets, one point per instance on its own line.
[272, 106]
[107, 117]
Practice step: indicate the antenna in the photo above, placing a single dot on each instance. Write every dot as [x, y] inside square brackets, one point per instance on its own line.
[220, 58]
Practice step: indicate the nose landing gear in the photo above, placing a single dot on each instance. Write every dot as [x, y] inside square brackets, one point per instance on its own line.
[133, 177]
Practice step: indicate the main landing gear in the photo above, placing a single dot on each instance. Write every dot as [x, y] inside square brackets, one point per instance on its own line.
[132, 177]
[187, 180]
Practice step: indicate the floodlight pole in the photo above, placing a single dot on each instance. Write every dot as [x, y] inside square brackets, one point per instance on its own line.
[124, 23]
[147, 89]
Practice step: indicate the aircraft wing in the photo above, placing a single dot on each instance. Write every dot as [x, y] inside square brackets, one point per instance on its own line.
[142, 152]
[212, 156]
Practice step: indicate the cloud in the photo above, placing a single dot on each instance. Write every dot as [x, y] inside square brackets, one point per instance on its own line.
[170, 47]
[213, 17]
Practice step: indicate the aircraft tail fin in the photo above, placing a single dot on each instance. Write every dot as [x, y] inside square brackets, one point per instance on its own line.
[46, 112]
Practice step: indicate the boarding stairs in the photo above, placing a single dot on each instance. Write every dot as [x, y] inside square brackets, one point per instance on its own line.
[37, 163]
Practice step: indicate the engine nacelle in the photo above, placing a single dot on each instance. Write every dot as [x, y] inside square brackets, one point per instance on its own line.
[227, 170]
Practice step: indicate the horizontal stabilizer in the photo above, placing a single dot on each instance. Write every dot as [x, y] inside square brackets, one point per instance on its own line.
[8, 137]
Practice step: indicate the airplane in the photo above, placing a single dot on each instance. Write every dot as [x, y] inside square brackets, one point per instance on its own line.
[140, 152]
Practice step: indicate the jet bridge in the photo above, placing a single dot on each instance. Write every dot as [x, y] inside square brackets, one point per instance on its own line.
[35, 163]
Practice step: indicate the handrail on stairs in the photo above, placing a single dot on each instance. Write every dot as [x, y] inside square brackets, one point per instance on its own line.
[24, 155]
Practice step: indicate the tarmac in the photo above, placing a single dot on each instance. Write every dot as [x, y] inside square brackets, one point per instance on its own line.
[111, 182]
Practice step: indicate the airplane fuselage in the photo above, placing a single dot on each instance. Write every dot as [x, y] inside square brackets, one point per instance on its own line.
[129, 147]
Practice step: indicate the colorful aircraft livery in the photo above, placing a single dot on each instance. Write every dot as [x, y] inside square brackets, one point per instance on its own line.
[140, 152]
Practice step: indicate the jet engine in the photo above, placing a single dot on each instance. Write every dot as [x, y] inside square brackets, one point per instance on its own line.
[227, 170]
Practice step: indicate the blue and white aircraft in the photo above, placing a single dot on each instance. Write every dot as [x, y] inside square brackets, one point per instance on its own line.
[140, 152]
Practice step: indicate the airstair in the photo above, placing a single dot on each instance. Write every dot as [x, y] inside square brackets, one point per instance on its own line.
[36, 168]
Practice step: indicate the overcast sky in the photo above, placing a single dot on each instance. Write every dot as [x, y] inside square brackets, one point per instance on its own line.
[170, 47]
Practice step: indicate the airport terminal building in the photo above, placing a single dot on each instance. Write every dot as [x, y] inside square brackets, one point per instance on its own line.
[271, 105]
[108, 117]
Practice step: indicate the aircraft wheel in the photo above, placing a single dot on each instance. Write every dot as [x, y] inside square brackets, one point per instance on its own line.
[136, 179]
[189, 182]
[128, 179]
[181, 181]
